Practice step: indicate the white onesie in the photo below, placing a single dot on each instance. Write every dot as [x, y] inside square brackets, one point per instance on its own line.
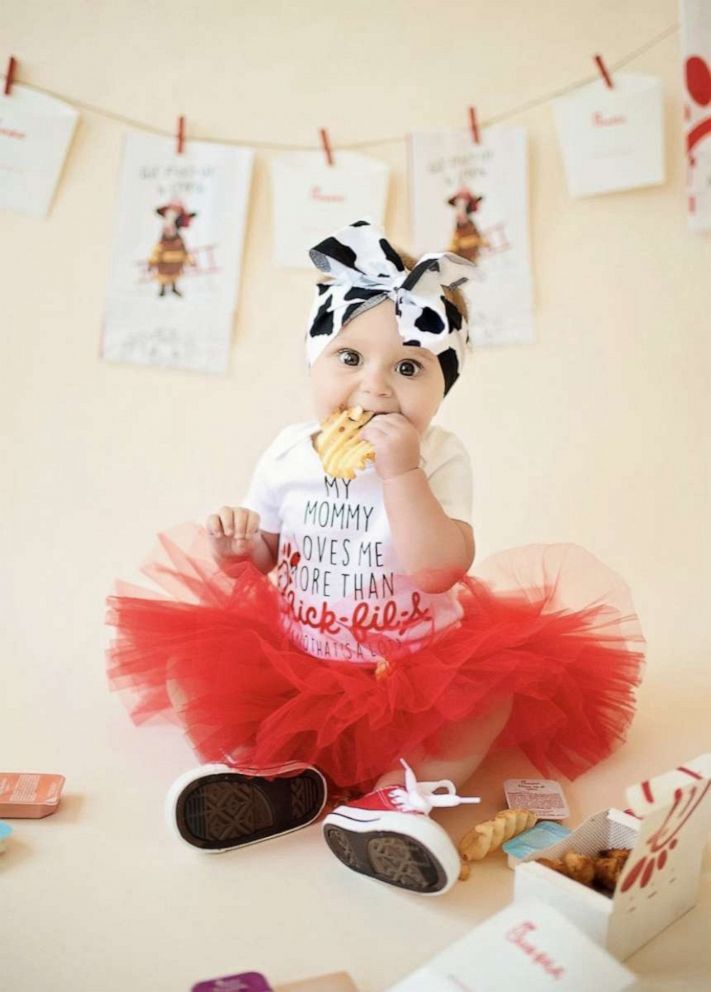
[337, 571]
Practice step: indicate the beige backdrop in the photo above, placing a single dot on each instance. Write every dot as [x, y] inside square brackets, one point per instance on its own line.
[595, 434]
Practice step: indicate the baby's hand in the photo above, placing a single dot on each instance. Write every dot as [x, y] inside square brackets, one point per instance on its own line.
[233, 532]
[396, 443]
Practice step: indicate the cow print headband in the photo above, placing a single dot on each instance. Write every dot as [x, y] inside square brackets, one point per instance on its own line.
[366, 270]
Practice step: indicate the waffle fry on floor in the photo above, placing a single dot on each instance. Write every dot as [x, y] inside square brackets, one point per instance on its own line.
[339, 445]
[491, 834]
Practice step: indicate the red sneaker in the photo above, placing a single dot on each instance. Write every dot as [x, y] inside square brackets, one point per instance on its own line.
[388, 835]
[218, 807]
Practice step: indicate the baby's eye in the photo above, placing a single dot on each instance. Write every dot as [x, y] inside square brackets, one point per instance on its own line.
[346, 356]
[409, 367]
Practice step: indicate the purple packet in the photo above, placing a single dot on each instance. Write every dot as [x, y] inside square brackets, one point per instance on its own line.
[246, 981]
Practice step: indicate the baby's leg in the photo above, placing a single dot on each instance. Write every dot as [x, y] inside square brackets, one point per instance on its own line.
[464, 747]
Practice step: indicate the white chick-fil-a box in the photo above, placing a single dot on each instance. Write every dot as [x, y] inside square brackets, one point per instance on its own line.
[665, 828]
[526, 946]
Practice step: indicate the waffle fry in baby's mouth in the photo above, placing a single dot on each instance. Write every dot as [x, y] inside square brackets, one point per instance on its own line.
[340, 447]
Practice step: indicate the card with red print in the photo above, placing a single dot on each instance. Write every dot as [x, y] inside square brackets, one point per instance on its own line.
[612, 138]
[526, 946]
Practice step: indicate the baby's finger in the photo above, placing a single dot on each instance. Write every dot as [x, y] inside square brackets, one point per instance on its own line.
[242, 524]
[214, 525]
[227, 518]
[394, 423]
[252, 523]
[371, 432]
[387, 422]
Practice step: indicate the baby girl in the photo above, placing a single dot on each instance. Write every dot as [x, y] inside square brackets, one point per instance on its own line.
[324, 640]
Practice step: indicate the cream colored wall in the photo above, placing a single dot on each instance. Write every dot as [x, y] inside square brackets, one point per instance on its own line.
[596, 434]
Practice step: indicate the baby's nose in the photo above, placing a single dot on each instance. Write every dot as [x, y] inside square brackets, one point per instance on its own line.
[376, 382]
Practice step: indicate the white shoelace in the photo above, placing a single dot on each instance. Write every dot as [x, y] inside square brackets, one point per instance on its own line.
[421, 797]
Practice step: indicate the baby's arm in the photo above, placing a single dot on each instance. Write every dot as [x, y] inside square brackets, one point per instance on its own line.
[433, 549]
[235, 535]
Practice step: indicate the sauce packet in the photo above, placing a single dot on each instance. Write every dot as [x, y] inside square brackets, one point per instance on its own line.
[29, 795]
[542, 795]
[544, 833]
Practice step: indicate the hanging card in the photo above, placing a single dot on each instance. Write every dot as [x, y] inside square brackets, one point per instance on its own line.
[312, 199]
[176, 254]
[612, 137]
[472, 199]
[35, 133]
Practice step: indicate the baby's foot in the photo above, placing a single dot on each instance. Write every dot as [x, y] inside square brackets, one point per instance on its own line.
[217, 807]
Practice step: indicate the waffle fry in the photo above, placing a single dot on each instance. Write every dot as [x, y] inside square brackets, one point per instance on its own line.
[491, 834]
[339, 446]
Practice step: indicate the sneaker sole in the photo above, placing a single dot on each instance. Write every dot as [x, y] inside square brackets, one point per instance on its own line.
[224, 810]
[388, 857]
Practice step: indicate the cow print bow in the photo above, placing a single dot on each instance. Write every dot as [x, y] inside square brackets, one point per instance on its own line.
[365, 269]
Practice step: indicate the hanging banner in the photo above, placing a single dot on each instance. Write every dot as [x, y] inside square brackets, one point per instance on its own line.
[612, 138]
[311, 199]
[472, 199]
[35, 134]
[177, 253]
[696, 52]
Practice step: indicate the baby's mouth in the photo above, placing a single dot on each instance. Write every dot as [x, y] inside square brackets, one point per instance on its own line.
[371, 414]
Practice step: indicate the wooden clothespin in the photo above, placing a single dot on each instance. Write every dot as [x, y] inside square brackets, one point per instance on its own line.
[603, 71]
[10, 74]
[181, 135]
[473, 126]
[326, 145]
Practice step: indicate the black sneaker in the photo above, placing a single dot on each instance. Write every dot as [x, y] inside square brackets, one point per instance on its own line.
[217, 808]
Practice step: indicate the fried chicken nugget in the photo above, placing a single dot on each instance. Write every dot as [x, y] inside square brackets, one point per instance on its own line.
[554, 863]
[604, 868]
[609, 866]
[579, 867]
[619, 853]
[607, 872]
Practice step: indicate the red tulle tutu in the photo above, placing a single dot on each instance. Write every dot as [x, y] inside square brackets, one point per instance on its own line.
[548, 625]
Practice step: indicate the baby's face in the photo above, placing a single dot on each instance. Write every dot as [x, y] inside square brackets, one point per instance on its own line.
[367, 365]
